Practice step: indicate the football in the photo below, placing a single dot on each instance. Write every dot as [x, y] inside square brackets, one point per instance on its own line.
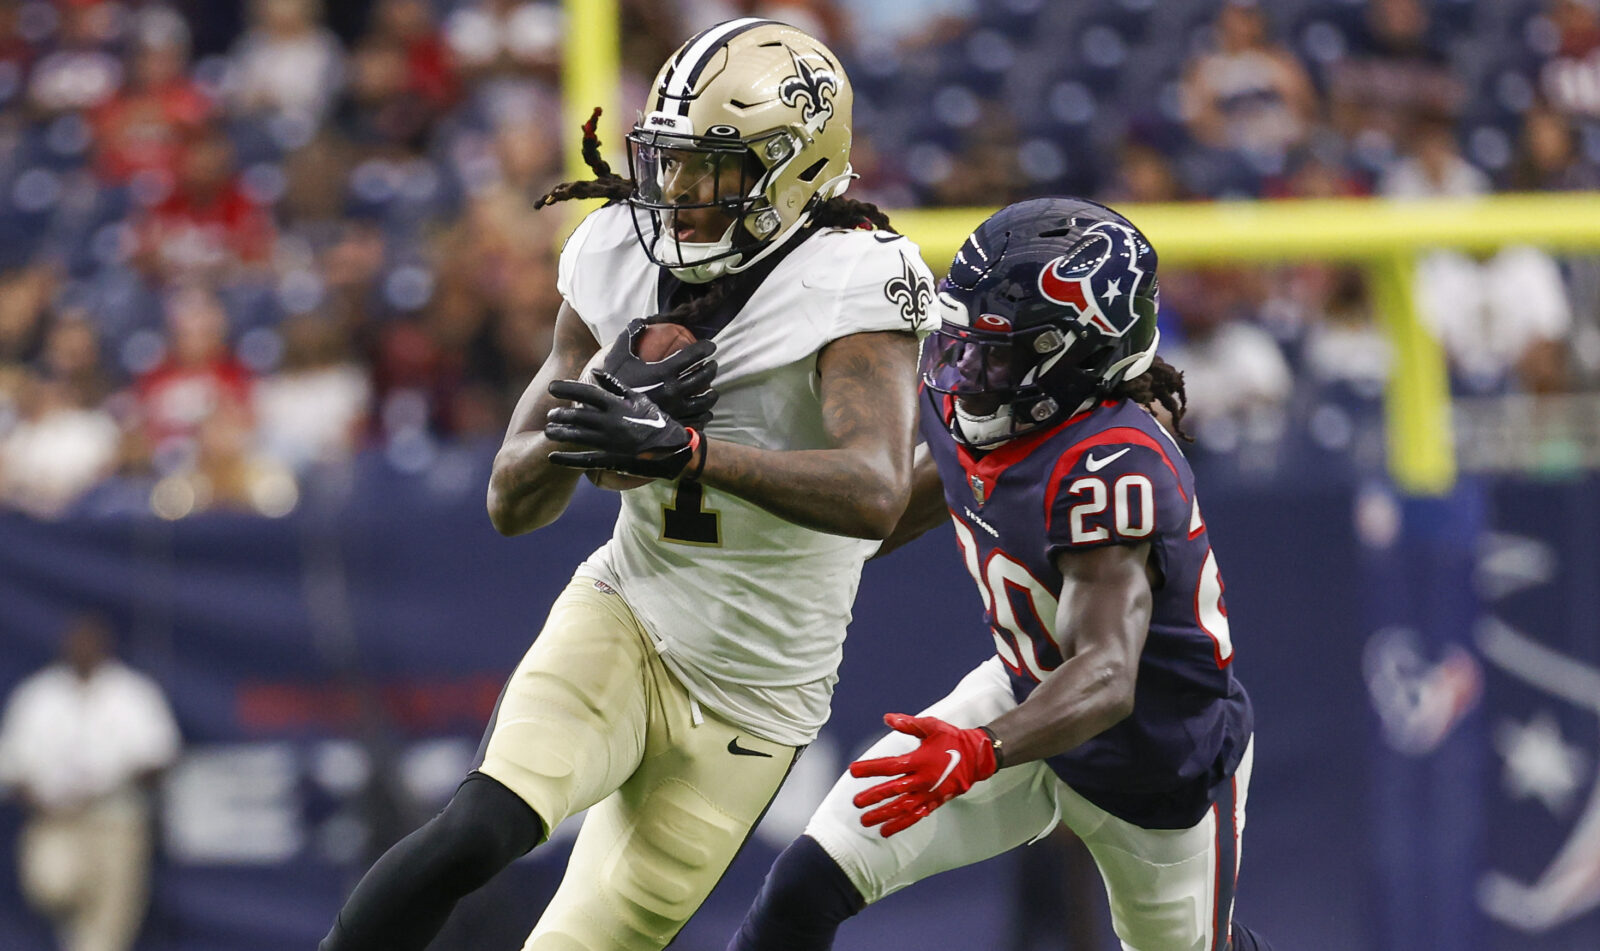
[657, 342]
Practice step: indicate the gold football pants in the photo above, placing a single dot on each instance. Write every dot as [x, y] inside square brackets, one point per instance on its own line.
[592, 719]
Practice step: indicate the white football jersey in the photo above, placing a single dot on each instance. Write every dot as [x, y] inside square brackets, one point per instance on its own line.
[747, 609]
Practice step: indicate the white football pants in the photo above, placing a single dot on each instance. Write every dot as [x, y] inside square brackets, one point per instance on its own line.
[1169, 889]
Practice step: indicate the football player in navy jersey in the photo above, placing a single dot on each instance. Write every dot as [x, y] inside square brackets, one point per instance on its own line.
[1076, 514]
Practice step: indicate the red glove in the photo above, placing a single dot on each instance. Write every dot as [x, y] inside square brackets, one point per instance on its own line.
[947, 764]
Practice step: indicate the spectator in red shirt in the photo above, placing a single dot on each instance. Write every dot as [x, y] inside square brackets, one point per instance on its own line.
[1577, 22]
[381, 114]
[143, 129]
[199, 378]
[430, 68]
[402, 80]
[208, 226]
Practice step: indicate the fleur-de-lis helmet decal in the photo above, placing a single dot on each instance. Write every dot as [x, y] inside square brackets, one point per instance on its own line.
[811, 89]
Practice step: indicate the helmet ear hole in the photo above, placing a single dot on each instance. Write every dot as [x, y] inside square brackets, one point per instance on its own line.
[810, 172]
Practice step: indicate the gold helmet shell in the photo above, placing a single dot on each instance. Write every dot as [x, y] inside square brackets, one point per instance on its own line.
[758, 93]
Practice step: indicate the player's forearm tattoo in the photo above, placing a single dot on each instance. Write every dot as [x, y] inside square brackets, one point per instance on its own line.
[860, 487]
[571, 351]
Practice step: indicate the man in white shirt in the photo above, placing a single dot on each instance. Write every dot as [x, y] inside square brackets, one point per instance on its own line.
[79, 743]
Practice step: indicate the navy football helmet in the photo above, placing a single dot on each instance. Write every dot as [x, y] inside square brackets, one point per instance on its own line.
[1047, 306]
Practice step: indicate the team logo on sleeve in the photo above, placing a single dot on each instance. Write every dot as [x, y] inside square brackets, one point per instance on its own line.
[1100, 269]
[911, 291]
[811, 89]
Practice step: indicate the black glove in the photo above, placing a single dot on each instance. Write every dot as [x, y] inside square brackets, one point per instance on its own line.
[629, 432]
[680, 384]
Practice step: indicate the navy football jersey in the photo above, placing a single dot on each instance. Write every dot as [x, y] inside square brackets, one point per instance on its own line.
[1110, 475]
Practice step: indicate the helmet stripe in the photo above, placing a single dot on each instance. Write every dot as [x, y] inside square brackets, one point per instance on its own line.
[697, 53]
[672, 64]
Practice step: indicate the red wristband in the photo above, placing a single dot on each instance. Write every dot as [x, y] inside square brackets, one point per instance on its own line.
[697, 445]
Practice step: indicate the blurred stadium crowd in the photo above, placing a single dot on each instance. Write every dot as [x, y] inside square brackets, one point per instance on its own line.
[241, 243]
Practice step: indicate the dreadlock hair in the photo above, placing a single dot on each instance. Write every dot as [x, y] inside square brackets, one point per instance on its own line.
[838, 212]
[842, 212]
[1163, 384]
[605, 184]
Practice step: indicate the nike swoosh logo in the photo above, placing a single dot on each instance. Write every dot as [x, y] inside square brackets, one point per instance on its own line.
[657, 423]
[737, 750]
[955, 760]
[1095, 465]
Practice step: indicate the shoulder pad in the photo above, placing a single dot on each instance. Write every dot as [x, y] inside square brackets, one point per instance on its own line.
[878, 279]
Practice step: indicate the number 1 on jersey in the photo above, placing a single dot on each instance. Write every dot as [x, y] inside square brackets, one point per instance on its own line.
[687, 521]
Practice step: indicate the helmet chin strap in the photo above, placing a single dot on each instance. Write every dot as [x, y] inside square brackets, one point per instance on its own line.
[982, 430]
[706, 270]
[1134, 364]
[997, 427]
[701, 273]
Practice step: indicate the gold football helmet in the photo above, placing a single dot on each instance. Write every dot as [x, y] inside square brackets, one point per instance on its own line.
[747, 131]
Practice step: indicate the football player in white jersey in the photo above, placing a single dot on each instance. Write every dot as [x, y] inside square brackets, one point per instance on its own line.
[693, 655]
